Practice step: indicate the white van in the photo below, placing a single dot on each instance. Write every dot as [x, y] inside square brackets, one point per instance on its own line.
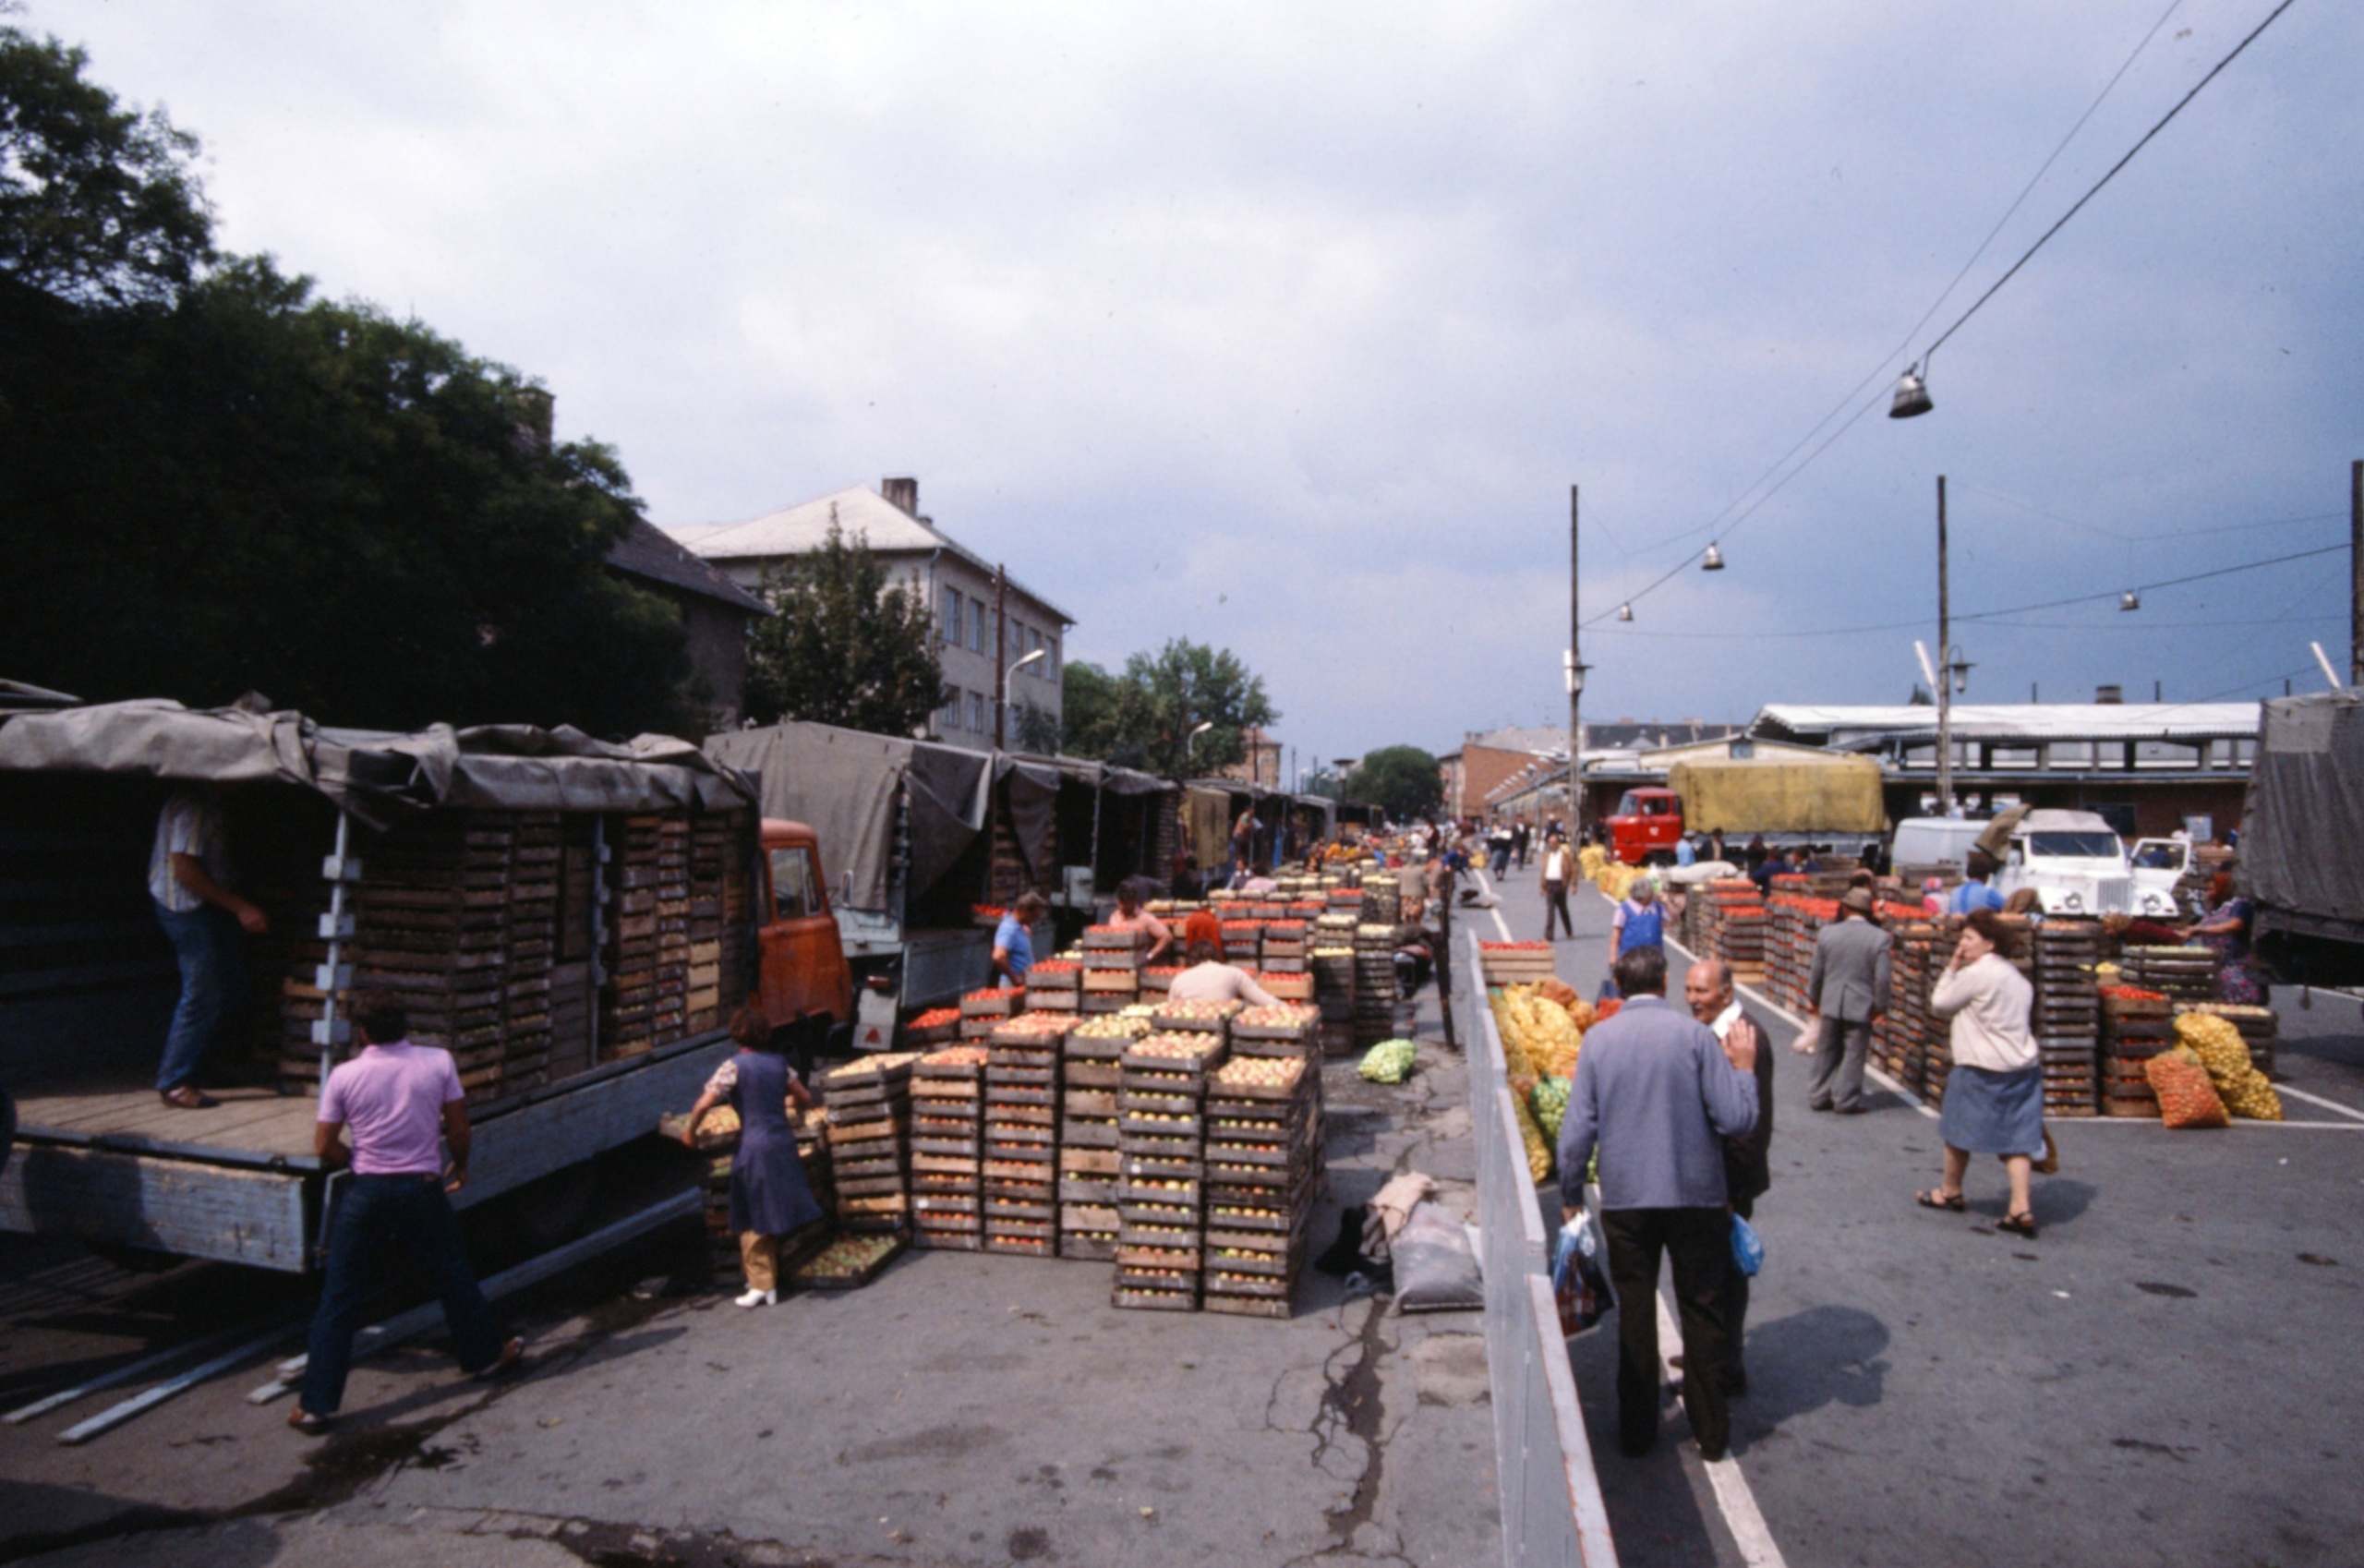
[1930, 842]
[2077, 864]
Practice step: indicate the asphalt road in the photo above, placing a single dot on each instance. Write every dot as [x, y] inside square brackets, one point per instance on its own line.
[2166, 1376]
[962, 1410]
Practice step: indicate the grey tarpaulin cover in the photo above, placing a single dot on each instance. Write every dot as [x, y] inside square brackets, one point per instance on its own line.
[375, 774]
[841, 784]
[2305, 807]
[1033, 788]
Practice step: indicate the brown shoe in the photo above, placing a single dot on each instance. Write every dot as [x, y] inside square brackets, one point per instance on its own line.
[189, 1097]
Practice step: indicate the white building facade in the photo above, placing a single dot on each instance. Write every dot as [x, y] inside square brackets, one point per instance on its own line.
[978, 615]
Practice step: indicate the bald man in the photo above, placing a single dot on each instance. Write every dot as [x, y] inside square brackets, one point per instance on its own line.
[1708, 991]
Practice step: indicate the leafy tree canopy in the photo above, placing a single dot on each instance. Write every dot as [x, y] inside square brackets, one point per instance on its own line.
[1403, 782]
[98, 202]
[212, 482]
[1144, 716]
[842, 646]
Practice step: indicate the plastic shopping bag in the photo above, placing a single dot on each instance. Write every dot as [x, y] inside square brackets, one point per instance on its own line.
[1580, 1274]
[1748, 1248]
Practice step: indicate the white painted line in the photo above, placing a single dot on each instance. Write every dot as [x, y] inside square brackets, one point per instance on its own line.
[1874, 1072]
[1487, 882]
[1732, 1494]
[2318, 1100]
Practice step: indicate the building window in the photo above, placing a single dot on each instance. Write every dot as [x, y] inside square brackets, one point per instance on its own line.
[1051, 663]
[948, 716]
[951, 627]
[976, 625]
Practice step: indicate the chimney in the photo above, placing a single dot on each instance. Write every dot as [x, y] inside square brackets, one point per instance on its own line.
[2110, 694]
[904, 493]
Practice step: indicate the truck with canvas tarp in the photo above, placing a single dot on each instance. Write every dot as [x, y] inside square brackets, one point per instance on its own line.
[1832, 801]
[931, 842]
[575, 920]
[2302, 824]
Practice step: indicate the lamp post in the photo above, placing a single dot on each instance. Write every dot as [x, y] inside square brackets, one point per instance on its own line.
[1945, 656]
[1007, 676]
[1575, 670]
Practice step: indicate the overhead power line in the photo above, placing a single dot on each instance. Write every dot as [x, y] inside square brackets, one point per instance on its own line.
[2062, 220]
[1996, 615]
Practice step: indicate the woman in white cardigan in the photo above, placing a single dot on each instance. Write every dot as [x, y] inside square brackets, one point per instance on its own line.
[1994, 1101]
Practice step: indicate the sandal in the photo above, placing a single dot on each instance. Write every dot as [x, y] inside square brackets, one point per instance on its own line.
[2018, 1225]
[1937, 1198]
[307, 1423]
[512, 1354]
[189, 1097]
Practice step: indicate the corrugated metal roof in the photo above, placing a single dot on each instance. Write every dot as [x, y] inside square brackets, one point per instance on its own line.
[2045, 721]
[857, 509]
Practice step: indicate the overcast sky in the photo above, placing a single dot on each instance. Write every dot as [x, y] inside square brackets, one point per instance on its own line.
[1287, 327]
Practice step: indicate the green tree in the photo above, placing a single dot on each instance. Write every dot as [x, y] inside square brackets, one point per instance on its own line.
[1144, 717]
[97, 202]
[843, 647]
[1033, 729]
[1403, 782]
[211, 482]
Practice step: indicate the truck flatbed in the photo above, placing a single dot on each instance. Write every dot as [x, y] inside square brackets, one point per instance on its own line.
[105, 1160]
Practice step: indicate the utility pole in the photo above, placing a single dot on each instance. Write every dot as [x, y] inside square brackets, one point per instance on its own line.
[1001, 659]
[1576, 682]
[2356, 573]
[1945, 670]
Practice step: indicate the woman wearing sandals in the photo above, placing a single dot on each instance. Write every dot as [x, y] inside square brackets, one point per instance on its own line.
[1994, 1101]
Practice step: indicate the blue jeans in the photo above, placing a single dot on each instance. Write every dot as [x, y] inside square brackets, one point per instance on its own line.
[214, 982]
[413, 1211]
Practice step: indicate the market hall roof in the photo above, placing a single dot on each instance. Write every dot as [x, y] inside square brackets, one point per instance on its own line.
[857, 511]
[1840, 726]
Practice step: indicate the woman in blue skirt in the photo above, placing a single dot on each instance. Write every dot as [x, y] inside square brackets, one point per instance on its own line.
[770, 1197]
[1994, 1101]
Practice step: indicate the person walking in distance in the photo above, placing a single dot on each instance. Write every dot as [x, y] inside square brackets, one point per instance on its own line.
[1708, 991]
[1640, 919]
[1657, 1094]
[398, 1101]
[1847, 994]
[1559, 861]
[190, 878]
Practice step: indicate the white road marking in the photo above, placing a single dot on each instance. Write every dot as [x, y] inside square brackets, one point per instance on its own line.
[1874, 1072]
[1732, 1494]
[2318, 1099]
[1487, 884]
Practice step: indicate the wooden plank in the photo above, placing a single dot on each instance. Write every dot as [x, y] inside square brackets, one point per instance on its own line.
[179, 1206]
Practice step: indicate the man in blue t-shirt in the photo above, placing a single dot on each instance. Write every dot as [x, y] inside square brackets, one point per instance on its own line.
[1014, 939]
[1978, 892]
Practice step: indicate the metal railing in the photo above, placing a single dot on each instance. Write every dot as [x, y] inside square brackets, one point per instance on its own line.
[1553, 1514]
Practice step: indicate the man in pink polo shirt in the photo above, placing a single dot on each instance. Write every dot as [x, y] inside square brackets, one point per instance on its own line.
[402, 1103]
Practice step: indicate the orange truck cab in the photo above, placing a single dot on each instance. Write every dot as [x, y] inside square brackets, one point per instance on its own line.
[1644, 827]
[803, 982]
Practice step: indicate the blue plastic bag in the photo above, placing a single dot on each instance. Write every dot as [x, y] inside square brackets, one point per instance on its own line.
[1580, 1274]
[1748, 1248]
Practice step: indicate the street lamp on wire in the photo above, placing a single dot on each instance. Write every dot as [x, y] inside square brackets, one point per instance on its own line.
[1011, 674]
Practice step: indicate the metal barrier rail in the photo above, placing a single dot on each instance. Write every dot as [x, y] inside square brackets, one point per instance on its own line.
[1553, 1514]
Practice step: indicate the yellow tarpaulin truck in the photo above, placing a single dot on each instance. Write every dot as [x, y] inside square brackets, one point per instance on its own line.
[1833, 800]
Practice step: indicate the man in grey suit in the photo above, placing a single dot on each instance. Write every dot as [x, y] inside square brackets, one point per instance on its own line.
[1848, 991]
[1657, 1095]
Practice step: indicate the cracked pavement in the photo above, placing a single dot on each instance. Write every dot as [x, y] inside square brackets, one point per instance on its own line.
[964, 1409]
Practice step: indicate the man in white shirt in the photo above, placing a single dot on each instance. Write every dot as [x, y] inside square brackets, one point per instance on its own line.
[190, 879]
[1208, 979]
[1708, 991]
[1558, 868]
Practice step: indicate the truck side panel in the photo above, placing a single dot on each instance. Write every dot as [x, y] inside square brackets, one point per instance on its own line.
[576, 1123]
[179, 1206]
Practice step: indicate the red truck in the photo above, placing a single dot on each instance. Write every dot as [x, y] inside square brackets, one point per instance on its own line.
[1644, 828]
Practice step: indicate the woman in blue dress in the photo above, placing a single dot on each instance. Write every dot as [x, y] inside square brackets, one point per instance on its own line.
[769, 1196]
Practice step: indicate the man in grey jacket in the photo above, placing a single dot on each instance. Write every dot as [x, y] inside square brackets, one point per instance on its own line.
[1658, 1095]
[1848, 991]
